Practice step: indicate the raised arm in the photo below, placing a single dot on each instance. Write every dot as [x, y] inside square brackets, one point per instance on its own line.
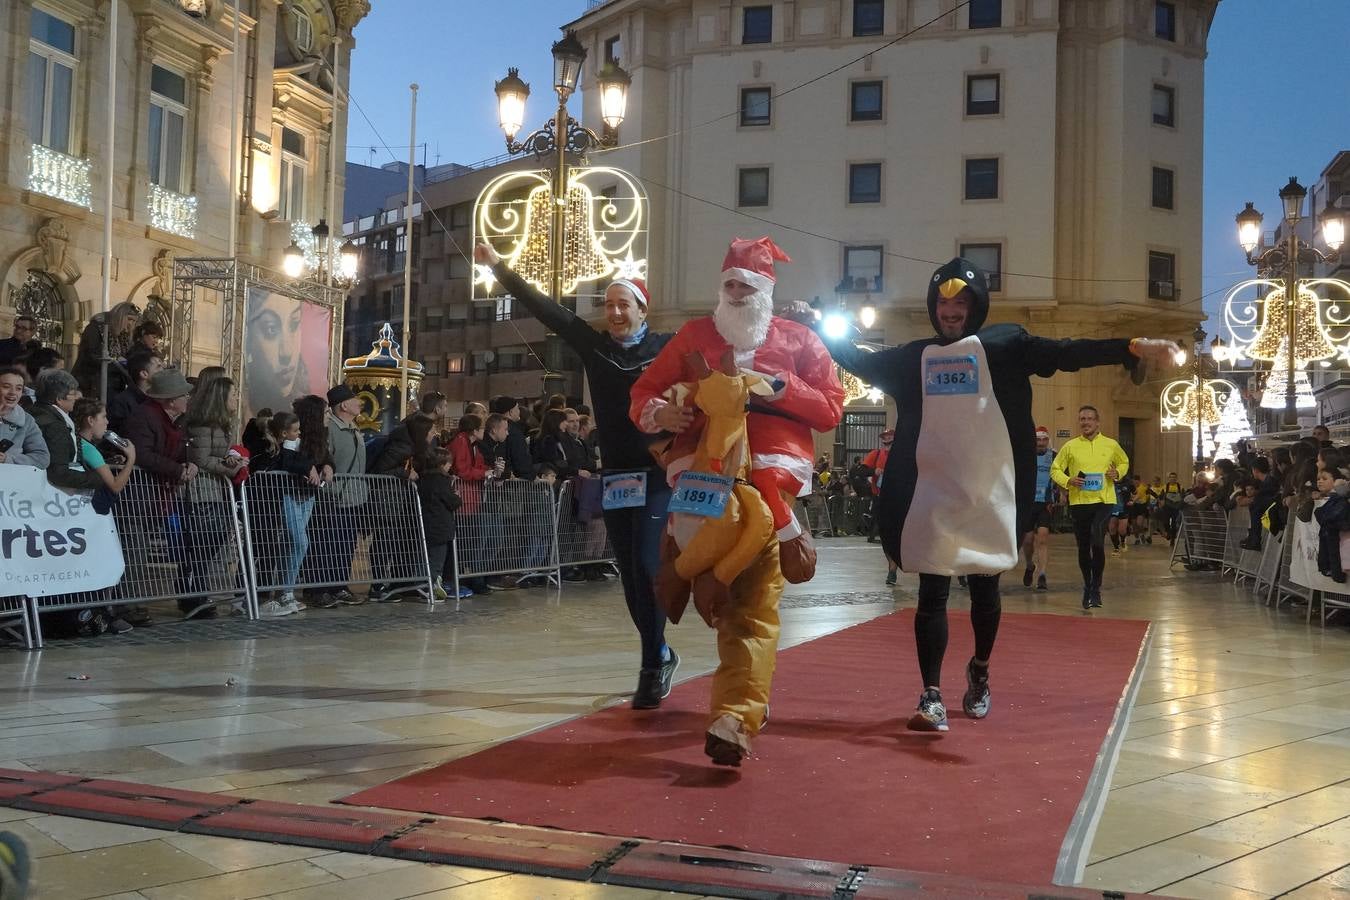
[556, 317]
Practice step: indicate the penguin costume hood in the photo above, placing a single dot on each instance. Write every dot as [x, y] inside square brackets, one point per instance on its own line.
[953, 278]
[960, 482]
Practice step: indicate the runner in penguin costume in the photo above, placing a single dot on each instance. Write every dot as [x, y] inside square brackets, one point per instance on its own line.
[960, 482]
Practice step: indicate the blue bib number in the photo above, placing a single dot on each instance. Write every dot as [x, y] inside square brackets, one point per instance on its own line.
[625, 491]
[951, 375]
[1094, 481]
[701, 494]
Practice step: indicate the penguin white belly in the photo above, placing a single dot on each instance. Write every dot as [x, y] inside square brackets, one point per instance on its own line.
[963, 518]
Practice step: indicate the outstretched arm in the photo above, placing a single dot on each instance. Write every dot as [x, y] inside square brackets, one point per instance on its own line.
[1046, 356]
[556, 317]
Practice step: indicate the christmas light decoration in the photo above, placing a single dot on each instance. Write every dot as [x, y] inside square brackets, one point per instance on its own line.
[1257, 323]
[605, 227]
[1277, 385]
[1234, 426]
[55, 174]
[172, 212]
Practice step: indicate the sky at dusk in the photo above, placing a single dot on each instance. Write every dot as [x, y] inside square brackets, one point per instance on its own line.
[1277, 96]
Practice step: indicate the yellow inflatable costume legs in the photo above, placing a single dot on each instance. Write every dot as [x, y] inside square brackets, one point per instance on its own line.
[747, 647]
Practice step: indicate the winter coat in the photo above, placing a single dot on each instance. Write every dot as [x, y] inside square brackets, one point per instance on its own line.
[27, 445]
[1334, 517]
[347, 446]
[62, 447]
[207, 448]
[161, 446]
[439, 502]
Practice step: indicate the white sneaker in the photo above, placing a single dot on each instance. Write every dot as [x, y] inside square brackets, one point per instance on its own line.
[272, 609]
[291, 604]
[438, 592]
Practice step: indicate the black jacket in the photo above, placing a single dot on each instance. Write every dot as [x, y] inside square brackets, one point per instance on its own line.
[552, 450]
[1334, 517]
[439, 502]
[397, 451]
[63, 448]
[611, 368]
[123, 405]
[515, 450]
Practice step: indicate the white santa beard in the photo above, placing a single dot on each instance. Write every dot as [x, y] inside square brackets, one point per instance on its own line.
[744, 327]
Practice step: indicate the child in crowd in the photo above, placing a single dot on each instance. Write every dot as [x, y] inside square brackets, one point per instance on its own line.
[439, 502]
[297, 503]
[1333, 515]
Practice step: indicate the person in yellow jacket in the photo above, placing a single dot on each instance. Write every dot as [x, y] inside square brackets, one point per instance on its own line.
[1089, 466]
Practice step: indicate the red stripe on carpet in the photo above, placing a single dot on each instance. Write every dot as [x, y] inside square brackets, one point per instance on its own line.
[836, 775]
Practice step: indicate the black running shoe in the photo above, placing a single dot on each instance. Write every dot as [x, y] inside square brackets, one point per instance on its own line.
[975, 702]
[1087, 597]
[931, 714]
[648, 694]
[1096, 600]
[890, 578]
[1026, 577]
[1041, 585]
[668, 673]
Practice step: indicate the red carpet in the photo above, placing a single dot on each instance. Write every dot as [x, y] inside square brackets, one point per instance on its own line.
[836, 776]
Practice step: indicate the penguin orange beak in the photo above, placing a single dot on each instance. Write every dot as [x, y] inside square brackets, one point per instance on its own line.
[951, 287]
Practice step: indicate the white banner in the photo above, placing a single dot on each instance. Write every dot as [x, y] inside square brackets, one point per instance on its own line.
[52, 542]
[1303, 559]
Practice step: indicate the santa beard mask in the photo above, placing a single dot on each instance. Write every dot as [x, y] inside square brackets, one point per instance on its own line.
[744, 327]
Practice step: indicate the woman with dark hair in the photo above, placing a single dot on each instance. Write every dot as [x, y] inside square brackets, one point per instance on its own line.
[273, 357]
[408, 452]
[209, 423]
[289, 454]
[550, 447]
[123, 318]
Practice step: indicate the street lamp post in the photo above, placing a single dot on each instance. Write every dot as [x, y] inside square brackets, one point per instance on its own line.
[1284, 259]
[1198, 365]
[562, 134]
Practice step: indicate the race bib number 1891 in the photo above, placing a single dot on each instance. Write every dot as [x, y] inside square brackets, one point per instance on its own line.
[951, 375]
[701, 494]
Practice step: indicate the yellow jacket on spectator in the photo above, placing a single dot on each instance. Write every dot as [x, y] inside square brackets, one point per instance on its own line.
[1091, 457]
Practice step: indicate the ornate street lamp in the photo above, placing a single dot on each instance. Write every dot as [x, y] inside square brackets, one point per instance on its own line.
[293, 261]
[1297, 326]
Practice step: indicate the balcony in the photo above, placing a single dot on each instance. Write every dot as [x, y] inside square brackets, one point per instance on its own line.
[172, 212]
[55, 174]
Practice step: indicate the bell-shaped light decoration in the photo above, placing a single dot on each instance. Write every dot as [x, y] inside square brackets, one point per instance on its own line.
[1291, 195]
[1333, 227]
[568, 55]
[293, 261]
[1249, 228]
[1310, 337]
[348, 260]
[511, 96]
[614, 83]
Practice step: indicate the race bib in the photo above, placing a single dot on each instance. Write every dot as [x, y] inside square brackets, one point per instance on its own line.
[701, 494]
[1094, 481]
[951, 375]
[625, 491]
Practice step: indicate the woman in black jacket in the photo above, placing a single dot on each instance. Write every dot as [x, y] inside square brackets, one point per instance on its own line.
[439, 502]
[614, 358]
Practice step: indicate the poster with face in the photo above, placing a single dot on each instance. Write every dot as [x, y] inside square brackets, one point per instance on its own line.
[286, 347]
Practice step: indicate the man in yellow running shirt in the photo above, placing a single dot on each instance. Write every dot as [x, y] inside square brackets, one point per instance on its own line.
[1089, 466]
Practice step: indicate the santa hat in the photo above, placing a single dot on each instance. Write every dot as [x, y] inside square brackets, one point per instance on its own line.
[638, 287]
[752, 262]
[1042, 430]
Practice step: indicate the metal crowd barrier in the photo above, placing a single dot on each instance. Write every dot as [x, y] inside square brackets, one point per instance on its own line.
[1239, 524]
[1268, 572]
[1203, 536]
[1285, 587]
[179, 542]
[580, 523]
[359, 529]
[506, 527]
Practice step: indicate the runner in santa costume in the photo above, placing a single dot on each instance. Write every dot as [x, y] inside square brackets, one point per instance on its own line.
[806, 397]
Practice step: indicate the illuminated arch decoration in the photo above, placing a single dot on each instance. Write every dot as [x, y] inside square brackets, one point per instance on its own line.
[1184, 404]
[1257, 323]
[605, 233]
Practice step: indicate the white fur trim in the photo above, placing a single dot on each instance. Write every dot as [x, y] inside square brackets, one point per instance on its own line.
[637, 292]
[797, 467]
[647, 420]
[754, 279]
[791, 530]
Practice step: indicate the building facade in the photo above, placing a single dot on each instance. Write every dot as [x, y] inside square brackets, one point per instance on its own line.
[171, 156]
[1057, 143]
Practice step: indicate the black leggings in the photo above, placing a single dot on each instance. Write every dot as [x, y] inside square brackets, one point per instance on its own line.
[1089, 530]
[930, 621]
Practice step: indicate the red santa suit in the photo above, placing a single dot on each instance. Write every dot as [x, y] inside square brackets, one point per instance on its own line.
[807, 397]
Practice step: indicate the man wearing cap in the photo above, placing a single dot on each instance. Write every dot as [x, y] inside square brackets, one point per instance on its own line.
[806, 396]
[161, 450]
[960, 482]
[614, 358]
[342, 507]
[1036, 544]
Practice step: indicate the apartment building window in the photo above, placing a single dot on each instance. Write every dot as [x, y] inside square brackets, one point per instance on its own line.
[865, 101]
[756, 105]
[757, 25]
[294, 167]
[988, 257]
[869, 17]
[982, 95]
[1163, 187]
[168, 128]
[51, 80]
[863, 268]
[459, 267]
[454, 364]
[460, 215]
[986, 13]
[864, 183]
[613, 49]
[1164, 105]
[982, 179]
[752, 186]
[302, 31]
[1165, 20]
[1162, 271]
